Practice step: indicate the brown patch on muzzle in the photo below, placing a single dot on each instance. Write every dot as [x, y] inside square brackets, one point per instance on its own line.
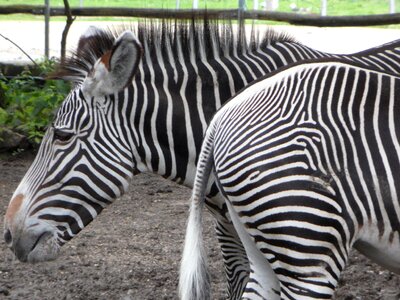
[13, 207]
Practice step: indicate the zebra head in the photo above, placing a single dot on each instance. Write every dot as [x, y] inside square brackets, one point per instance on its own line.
[84, 161]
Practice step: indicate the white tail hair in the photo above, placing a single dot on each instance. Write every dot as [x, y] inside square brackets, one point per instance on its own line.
[194, 281]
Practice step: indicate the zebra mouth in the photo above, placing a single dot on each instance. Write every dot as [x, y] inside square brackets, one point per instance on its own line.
[22, 250]
[42, 237]
[44, 249]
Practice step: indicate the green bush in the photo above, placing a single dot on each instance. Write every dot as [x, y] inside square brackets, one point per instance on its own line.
[29, 104]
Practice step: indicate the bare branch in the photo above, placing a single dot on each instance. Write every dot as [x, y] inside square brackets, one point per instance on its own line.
[22, 50]
[68, 25]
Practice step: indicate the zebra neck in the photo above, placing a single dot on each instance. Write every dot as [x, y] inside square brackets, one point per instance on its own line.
[174, 98]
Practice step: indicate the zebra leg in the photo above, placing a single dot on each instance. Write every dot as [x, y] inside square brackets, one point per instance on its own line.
[235, 259]
[262, 283]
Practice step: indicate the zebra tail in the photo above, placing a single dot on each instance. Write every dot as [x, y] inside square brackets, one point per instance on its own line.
[194, 281]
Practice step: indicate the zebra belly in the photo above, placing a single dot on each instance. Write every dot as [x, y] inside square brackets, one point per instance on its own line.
[382, 248]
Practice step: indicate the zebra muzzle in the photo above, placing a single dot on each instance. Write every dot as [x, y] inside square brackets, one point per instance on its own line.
[32, 245]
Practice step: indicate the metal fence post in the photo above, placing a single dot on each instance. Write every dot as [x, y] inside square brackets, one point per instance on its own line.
[46, 27]
[392, 8]
[242, 5]
[255, 4]
[324, 7]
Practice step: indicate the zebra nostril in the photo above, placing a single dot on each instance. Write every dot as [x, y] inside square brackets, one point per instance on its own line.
[8, 236]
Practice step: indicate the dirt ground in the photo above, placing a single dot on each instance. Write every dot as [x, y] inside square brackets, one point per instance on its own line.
[132, 251]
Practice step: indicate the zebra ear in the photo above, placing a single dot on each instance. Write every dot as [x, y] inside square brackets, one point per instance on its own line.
[115, 69]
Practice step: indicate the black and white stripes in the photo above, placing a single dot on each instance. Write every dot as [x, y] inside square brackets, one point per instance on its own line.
[309, 161]
[150, 115]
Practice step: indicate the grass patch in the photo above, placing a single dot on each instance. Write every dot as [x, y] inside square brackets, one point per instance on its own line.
[335, 7]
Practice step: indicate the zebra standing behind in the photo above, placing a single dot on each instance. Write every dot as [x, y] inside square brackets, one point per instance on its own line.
[141, 102]
[309, 163]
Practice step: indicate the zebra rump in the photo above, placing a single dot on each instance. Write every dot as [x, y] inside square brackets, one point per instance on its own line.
[308, 160]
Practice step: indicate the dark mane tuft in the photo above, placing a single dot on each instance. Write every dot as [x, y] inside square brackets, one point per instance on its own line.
[273, 36]
[213, 35]
[91, 46]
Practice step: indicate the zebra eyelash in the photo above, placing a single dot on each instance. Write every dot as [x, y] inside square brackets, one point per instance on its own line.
[62, 135]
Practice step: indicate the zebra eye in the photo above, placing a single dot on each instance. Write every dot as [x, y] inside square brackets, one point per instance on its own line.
[62, 135]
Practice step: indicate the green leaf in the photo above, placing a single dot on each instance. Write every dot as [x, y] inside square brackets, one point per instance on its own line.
[29, 105]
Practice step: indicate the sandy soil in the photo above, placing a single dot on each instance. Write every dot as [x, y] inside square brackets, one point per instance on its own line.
[132, 251]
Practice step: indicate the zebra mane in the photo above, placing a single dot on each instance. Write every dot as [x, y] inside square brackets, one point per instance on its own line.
[210, 36]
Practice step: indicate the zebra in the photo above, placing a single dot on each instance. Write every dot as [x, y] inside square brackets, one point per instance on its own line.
[308, 160]
[141, 101]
